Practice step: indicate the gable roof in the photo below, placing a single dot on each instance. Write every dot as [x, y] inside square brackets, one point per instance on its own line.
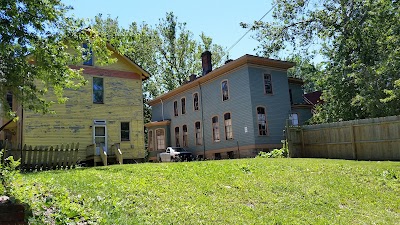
[232, 65]
[313, 98]
[145, 75]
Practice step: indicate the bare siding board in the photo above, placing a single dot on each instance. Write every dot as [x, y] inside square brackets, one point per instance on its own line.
[374, 139]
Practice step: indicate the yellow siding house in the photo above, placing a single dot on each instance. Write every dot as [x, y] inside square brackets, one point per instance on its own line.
[107, 111]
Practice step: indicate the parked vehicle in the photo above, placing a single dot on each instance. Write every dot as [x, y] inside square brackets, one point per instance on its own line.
[175, 154]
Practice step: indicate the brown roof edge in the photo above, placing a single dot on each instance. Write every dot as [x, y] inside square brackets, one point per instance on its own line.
[246, 59]
[294, 80]
[157, 123]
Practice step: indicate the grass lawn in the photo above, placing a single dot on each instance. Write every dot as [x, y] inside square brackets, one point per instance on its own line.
[245, 191]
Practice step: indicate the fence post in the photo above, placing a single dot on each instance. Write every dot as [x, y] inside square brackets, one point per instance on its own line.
[302, 153]
[353, 142]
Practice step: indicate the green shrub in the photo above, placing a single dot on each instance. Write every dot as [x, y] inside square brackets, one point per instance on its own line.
[276, 153]
[8, 172]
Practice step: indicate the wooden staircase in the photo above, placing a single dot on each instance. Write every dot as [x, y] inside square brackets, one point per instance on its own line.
[114, 155]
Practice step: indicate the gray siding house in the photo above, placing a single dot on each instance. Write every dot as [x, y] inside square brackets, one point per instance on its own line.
[234, 111]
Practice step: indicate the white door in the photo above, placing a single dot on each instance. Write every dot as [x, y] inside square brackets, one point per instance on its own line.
[100, 137]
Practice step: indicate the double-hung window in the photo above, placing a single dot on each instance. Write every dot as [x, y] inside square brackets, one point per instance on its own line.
[177, 144]
[183, 106]
[175, 108]
[261, 121]
[196, 101]
[228, 126]
[98, 90]
[267, 84]
[225, 90]
[215, 129]
[199, 140]
[184, 136]
[125, 131]
[160, 137]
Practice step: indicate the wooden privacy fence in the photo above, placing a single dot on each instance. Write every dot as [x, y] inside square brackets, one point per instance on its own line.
[367, 139]
[46, 158]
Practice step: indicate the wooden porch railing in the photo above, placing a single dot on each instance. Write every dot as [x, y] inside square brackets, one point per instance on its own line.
[103, 155]
[45, 158]
[91, 150]
[116, 149]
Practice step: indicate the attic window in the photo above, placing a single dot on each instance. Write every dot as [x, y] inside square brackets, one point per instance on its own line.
[88, 54]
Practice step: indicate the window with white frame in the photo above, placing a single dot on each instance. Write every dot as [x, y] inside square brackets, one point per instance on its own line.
[184, 136]
[196, 101]
[175, 108]
[98, 90]
[125, 133]
[177, 144]
[267, 84]
[261, 121]
[183, 106]
[225, 90]
[199, 140]
[228, 126]
[160, 136]
[215, 127]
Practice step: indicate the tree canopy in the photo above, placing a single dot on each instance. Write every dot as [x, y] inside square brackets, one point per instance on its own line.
[37, 43]
[359, 44]
[167, 50]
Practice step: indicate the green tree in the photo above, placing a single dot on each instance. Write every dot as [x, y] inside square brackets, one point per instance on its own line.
[168, 51]
[359, 42]
[38, 40]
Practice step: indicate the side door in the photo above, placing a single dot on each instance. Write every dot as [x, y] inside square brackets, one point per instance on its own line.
[100, 135]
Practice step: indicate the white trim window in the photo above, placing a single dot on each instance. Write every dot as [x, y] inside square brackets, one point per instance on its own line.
[125, 131]
[177, 143]
[175, 108]
[228, 126]
[268, 84]
[196, 101]
[184, 136]
[197, 127]
[183, 106]
[215, 126]
[225, 90]
[261, 121]
[160, 136]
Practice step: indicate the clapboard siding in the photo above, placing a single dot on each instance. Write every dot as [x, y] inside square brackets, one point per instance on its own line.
[297, 93]
[246, 93]
[277, 105]
[73, 121]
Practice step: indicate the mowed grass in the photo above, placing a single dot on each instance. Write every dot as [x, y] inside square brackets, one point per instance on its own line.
[245, 191]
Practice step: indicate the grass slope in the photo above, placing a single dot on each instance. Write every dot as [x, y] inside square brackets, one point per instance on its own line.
[246, 191]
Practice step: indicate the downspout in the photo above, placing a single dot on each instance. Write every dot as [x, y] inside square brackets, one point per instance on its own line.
[162, 109]
[202, 122]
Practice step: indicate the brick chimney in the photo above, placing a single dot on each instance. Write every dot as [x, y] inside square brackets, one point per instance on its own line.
[192, 77]
[206, 62]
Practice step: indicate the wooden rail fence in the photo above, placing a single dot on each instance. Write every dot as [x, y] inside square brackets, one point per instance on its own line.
[45, 158]
[367, 139]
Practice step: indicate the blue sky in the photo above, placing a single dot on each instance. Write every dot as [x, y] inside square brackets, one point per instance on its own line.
[218, 19]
